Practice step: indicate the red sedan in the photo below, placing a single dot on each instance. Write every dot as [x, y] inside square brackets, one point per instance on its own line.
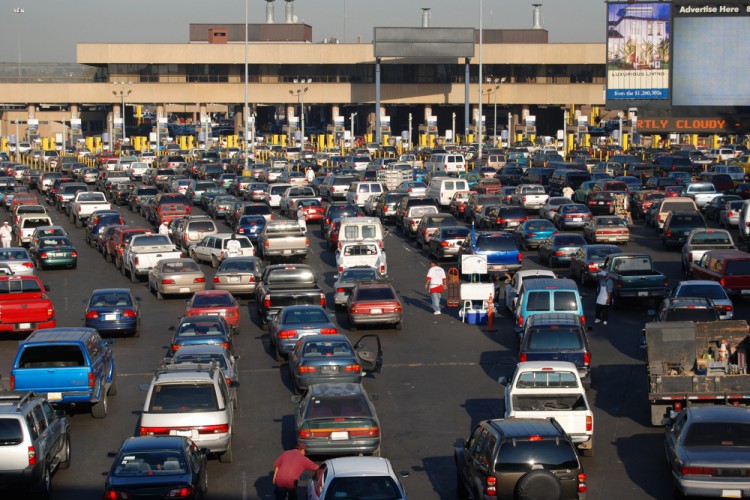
[215, 302]
[313, 210]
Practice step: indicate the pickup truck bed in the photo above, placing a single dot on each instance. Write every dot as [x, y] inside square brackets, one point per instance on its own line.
[286, 285]
[24, 305]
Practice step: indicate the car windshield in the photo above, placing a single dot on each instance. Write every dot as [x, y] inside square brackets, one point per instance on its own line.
[183, 266]
[54, 242]
[524, 456]
[199, 329]
[454, 232]
[110, 300]
[601, 253]
[364, 487]
[183, 398]
[150, 463]
[340, 406]
[702, 188]
[554, 339]
[211, 300]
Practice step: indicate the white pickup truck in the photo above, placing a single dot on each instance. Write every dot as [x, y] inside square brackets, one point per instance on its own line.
[544, 389]
[361, 253]
[529, 196]
[394, 174]
[292, 195]
[144, 251]
[85, 203]
[701, 193]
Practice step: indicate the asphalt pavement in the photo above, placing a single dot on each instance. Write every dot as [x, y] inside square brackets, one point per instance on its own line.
[439, 379]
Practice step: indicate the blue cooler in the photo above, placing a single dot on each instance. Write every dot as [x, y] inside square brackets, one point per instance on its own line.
[476, 316]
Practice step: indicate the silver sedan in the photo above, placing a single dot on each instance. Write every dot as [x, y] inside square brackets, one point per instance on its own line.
[176, 277]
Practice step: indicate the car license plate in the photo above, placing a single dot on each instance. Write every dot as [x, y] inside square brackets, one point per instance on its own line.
[731, 493]
[287, 252]
[110, 317]
[234, 279]
[612, 239]
[188, 433]
[512, 224]
[26, 326]
[643, 294]
[380, 311]
[339, 435]
[54, 396]
[600, 203]
[184, 290]
[329, 369]
[577, 219]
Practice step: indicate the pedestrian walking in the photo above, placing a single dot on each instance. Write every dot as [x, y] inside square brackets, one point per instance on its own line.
[603, 297]
[568, 191]
[234, 247]
[287, 470]
[310, 174]
[436, 283]
[6, 234]
[301, 219]
[164, 228]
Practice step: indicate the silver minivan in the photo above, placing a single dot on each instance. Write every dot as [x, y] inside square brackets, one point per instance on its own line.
[359, 192]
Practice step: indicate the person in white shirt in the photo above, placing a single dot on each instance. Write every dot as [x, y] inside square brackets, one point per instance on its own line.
[436, 281]
[568, 191]
[6, 234]
[233, 247]
[164, 228]
[301, 219]
[310, 174]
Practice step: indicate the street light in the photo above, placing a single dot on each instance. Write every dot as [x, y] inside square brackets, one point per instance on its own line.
[300, 93]
[246, 111]
[351, 127]
[19, 10]
[497, 82]
[122, 93]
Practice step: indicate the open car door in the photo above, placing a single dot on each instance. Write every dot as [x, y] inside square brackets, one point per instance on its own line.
[369, 353]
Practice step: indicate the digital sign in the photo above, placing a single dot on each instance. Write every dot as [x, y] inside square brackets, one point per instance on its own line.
[638, 51]
[710, 54]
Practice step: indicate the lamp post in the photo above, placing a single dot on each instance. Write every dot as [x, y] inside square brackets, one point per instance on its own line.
[497, 82]
[19, 10]
[246, 111]
[300, 93]
[410, 118]
[122, 93]
[18, 139]
[479, 119]
[453, 125]
[351, 127]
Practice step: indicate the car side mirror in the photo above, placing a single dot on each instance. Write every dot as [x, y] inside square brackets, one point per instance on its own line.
[144, 387]
[502, 380]
[296, 399]
[46, 288]
[667, 422]
[234, 383]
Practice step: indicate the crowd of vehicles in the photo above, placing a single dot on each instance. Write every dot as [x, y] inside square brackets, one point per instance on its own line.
[500, 212]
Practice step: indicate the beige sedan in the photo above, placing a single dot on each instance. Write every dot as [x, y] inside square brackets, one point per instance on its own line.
[176, 277]
[606, 229]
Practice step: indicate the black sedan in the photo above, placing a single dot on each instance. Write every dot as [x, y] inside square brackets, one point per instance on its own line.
[586, 261]
[558, 249]
[157, 467]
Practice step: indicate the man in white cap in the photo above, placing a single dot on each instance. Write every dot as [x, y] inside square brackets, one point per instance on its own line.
[604, 291]
[6, 234]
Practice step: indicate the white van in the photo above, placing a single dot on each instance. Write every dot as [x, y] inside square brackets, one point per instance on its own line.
[736, 172]
[744, 224]
[361, 228]
[442, 189]
[446, 163]
[359, 192]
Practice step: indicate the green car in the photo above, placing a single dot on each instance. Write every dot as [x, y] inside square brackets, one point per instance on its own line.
[53, 251]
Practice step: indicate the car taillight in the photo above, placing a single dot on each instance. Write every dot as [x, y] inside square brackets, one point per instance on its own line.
[328, 331]
[582, 486]
[669, 232]
[520, 321]
[184, 492]
[12, 382]
[305, 369]
[678, 407]
[28, 265]
[167, 282]
[352, 368]
[722, 282]
[116, 495]
[287, 334]
[128, 313]
[522, 357]
[32, 455]
[216, 279]
[91, 379]
[698, 471]
[589, 423]
[92, 315]
[491, 486]
[199, 280]
[323, 299]
[382, 268]
[267, 301]
[136, 261]
[43, 255]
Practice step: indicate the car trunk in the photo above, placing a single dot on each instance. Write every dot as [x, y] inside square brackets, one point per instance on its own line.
[59, 368]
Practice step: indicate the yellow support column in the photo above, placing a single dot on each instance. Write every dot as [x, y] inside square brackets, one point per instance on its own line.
[90, 143]
[587, 140]
[625, 141]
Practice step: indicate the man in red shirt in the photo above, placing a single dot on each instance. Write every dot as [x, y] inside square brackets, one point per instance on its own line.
[287, 470]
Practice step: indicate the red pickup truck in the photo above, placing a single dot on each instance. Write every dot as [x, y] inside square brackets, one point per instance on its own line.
[24, 305]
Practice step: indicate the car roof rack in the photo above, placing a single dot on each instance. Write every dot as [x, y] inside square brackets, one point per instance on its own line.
[168, 367]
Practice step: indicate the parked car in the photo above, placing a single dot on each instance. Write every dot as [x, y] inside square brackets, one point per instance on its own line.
[113, 311]
[345, 477]
[201, 330]
[585, 263]
[558, 249]
[606, 229]
[531, 233]
[181, 276]
[374, 303]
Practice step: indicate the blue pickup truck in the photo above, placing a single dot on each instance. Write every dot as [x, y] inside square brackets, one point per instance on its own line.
[501, 249]
[69, 365]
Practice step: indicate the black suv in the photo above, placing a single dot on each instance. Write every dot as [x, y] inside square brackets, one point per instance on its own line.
[678, 225]
[557, 337]
[34, 441]
[519, 459]
[687, 309]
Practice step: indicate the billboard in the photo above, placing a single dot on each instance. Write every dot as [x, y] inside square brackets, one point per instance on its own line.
[710, 54]
[638, 51]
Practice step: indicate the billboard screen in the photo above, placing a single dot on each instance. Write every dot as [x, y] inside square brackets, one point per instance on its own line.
[710, 54]
[638, 39]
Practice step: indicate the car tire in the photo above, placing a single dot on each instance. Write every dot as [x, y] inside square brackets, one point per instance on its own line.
[67, 453]
[399, 325]
[277, 354]
[226, 457]
[43, 487]
[99, 409]
[587, 452]
[214, 262]
[352, 326]
[133, 276]
[538, 484]
[108, 257]
[159, 295]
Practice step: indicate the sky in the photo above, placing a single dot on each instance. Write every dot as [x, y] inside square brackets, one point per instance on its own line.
[50, 29]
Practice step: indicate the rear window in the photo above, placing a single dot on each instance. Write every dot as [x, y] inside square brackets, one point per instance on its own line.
[547, 379]
[702, 188]
[150, 463]
[257, 209]
[205, 300]
[304, 316]
[686, 221]
[359, 274]
[538, 301]
[360, 250]
[718, 434]
[19, 286]
[11, 433]
[423, 210]
[183, 266]
[570, 240]
[673, 206]
[347, 406]
[375, 293]
[458, 232]
[523, 456]
[183, 398]
[496, 244]
[51, 356]
[738, 268]
[202, 226]
[238, 265]
[290, 276]
[711, 237]
[154, 240]
[690, 314]
[379, 487]
[565, 301]
[554, 339]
